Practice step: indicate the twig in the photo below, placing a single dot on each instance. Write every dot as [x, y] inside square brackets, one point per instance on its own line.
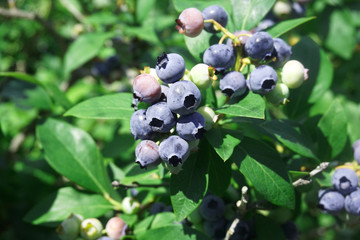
[17, 13]
[136, 184]
[307, 179]
[241, 204]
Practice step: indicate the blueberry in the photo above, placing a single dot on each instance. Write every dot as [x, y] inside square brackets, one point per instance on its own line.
[190, 22]
[293, 74]
[201, 74]
[100, 69]
[91, 228]
[330, 201]
[140, 127]
[146, 88]
[344, 180]
[242, 35]
[147, 154]
[265, 24]
[279, 95]
[357, 155]
[170, 67]
[209, 116]
[70, 227]
[217, 13]
[212, 208]
[174, 150]
[241, 231]
[191, 127]
[219, 56]
[115, 228]
[260, 46]
[233, 84]
[112, 62]
[262, 79]
[215, 229]
[158, 207]
[298, 10]
[130, 205]
[183, 97]
[160, 118]
[356, 144]
[164, 93]
[352, 202]
[283, 53]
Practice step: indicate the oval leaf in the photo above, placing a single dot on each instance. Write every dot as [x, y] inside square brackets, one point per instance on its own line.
[117, 106]
[59, 205]
[73, 153]
[285, 26]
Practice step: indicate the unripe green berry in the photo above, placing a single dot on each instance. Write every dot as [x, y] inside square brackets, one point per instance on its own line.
[293, 74]
[91, 228]
[282, 9]
[279, 95]
[130, 205]
[115, 228]
[69, 229]
[209, 116]
[201, 75]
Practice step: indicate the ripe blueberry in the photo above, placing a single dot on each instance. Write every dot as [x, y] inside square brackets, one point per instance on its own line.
[212, 208]
[282, 51]
[219, 56]
[140, 127]
[191, 127]
[183, 97]
[262, 79]
[260, 46]
[345, 180]
[190, 22]
[233, 84]
[174, 150]
[217, 13]
[330, 201]
[170, 67]
[147, 154]
[146, 88]
[352, 202]
[160, 118]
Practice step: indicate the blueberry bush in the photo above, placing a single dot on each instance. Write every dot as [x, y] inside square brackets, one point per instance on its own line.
[179, 119]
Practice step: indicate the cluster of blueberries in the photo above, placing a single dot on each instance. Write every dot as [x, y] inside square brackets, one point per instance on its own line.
[105, 68]
[345, 193]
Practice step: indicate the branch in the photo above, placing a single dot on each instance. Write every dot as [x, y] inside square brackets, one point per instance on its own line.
[117, 184]
[17, 13]
[307, 179]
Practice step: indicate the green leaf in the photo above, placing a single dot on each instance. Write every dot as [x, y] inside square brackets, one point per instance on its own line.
[289, 134]
[265, 227]
[223, 141]
[143, 7]
[219, 174]
[263, 167]
[285, 26]
[199, 44]
[74, 154]
[320, 77]
[83, 49]
[333, 125]
[188, 187]
[248, 13]
[178, 231]
[116, 106]
[341, 37]
[50, 87]
[155, 221]
[252, 106]
[352, 111]
[59, 205]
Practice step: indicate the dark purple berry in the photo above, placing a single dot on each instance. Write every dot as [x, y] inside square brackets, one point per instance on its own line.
[147, 154]
[217, 13]
[170, 67]
[191, 127]
[262, 79]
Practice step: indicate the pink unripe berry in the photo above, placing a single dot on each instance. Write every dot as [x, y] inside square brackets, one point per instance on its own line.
[190, 22]
[146, 88]
[115, 228]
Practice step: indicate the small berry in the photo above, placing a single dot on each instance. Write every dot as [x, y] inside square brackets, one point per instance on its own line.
[331, 201]
[219, 56]
[282, 51]
[264, 24]
[160, 118]
[357, 155]
[290, 230]
[260, 46]
[202, 75]
[212, 208]
[190, 22]
[158, 207]
[170, 67]
[217, 13]
[262, 79]
[352, 202]
[215, 229]
[130, 205]
[91, 229]
[282, 9]
[140, 127]
[233, 84]
[344, 180]
[191, 127]
[293, 74]
[147, 154]
[115, 228]
[183, 97]
[69, 229]
[174, 150]
[241, 231]
[146, 88]
[209, 116]
[279, 95]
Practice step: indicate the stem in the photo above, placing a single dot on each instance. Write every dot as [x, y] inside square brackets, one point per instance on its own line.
[136, 184]
[223, 38]
[238, 59]
[224, 30]
[307, 180]
[117, 205]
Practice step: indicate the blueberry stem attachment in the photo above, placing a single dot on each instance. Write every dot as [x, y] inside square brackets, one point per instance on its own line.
[117, 205]
[224, 30]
